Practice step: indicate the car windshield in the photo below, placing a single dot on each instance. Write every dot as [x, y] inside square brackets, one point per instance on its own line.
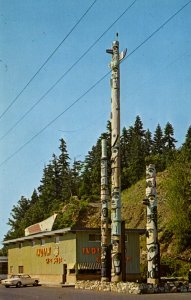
[15, 276]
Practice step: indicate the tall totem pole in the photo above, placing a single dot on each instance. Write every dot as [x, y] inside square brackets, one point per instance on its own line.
[153, 253]
[105, 233]
[116, 272]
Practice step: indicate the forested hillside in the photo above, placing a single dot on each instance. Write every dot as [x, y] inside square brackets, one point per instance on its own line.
[73, 189]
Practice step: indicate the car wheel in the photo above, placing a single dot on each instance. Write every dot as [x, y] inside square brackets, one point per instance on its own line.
[7, 286]
[35, 283]
[18, 285]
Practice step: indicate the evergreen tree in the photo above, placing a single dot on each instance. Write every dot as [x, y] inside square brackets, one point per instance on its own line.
[63, 162]
[138, 127]
[85, 187]
[56, 181]
[4, 251]
[136, 160]
[46, 191]
[186, 149]
[17, 215]
[76, 177]
[63, 189]
[55, 185]
[158, 141]
[92, 172]
[169, 140]
[34, 197]
[148, 142]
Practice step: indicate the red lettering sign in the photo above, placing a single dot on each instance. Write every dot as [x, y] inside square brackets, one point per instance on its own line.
[43, 251]
[55, 260]
[90, 250]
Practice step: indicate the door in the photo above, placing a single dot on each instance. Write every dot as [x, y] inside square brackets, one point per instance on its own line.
[64, 273]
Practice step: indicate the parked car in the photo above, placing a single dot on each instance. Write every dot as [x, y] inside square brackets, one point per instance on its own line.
[19, 280]
[2, 276]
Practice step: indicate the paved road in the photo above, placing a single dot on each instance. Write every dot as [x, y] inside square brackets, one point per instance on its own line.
[57, 293]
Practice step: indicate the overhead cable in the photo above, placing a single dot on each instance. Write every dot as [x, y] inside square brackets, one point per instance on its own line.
[66, 72]
[49, 57]
[92, 87]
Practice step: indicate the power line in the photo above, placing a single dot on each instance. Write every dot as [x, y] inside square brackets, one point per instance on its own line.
[56, 118]
[93, 86]
[158, 29]
[49, 57]
[65, 73]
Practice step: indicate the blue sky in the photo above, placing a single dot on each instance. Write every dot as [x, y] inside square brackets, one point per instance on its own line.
[155, 79]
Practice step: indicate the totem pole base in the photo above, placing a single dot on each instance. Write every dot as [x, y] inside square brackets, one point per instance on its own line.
[153, 280]
[116, 278]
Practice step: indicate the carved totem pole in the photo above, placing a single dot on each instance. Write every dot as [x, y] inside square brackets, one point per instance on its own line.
[116, 272]
[105, 233]
[153, 253]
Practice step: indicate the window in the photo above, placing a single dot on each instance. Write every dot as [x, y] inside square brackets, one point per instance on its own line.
[42, 242]
[57, 239]
[94, 237]
[21, 269]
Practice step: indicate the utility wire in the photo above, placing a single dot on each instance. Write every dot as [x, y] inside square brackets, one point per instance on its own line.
[93, 86]
[49, 57]
[56, 118]
[65, 73]
[158, 29]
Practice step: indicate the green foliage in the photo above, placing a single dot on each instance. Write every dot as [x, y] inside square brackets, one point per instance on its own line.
[67, 190]
[76, 178]
[171, 267]
[91, 172]
[17, 218]
[133, 149]
[70, 213]
[178, 188]
[148, 143]
[186, 149]
[163, 152]
[158, 141]
[169, 140]
[159, 160]
[3, 251]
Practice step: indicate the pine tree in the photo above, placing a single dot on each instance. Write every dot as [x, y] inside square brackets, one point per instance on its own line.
[158, 141]
[148, 142]
[186, 149]
[56, 181]
[169, 140]
[17, 216]
[138, 127]
[126, 139]
[76, 177]
[91, 174]
[136, 168]
[63, 162]
[46, 191]
[34, 197]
